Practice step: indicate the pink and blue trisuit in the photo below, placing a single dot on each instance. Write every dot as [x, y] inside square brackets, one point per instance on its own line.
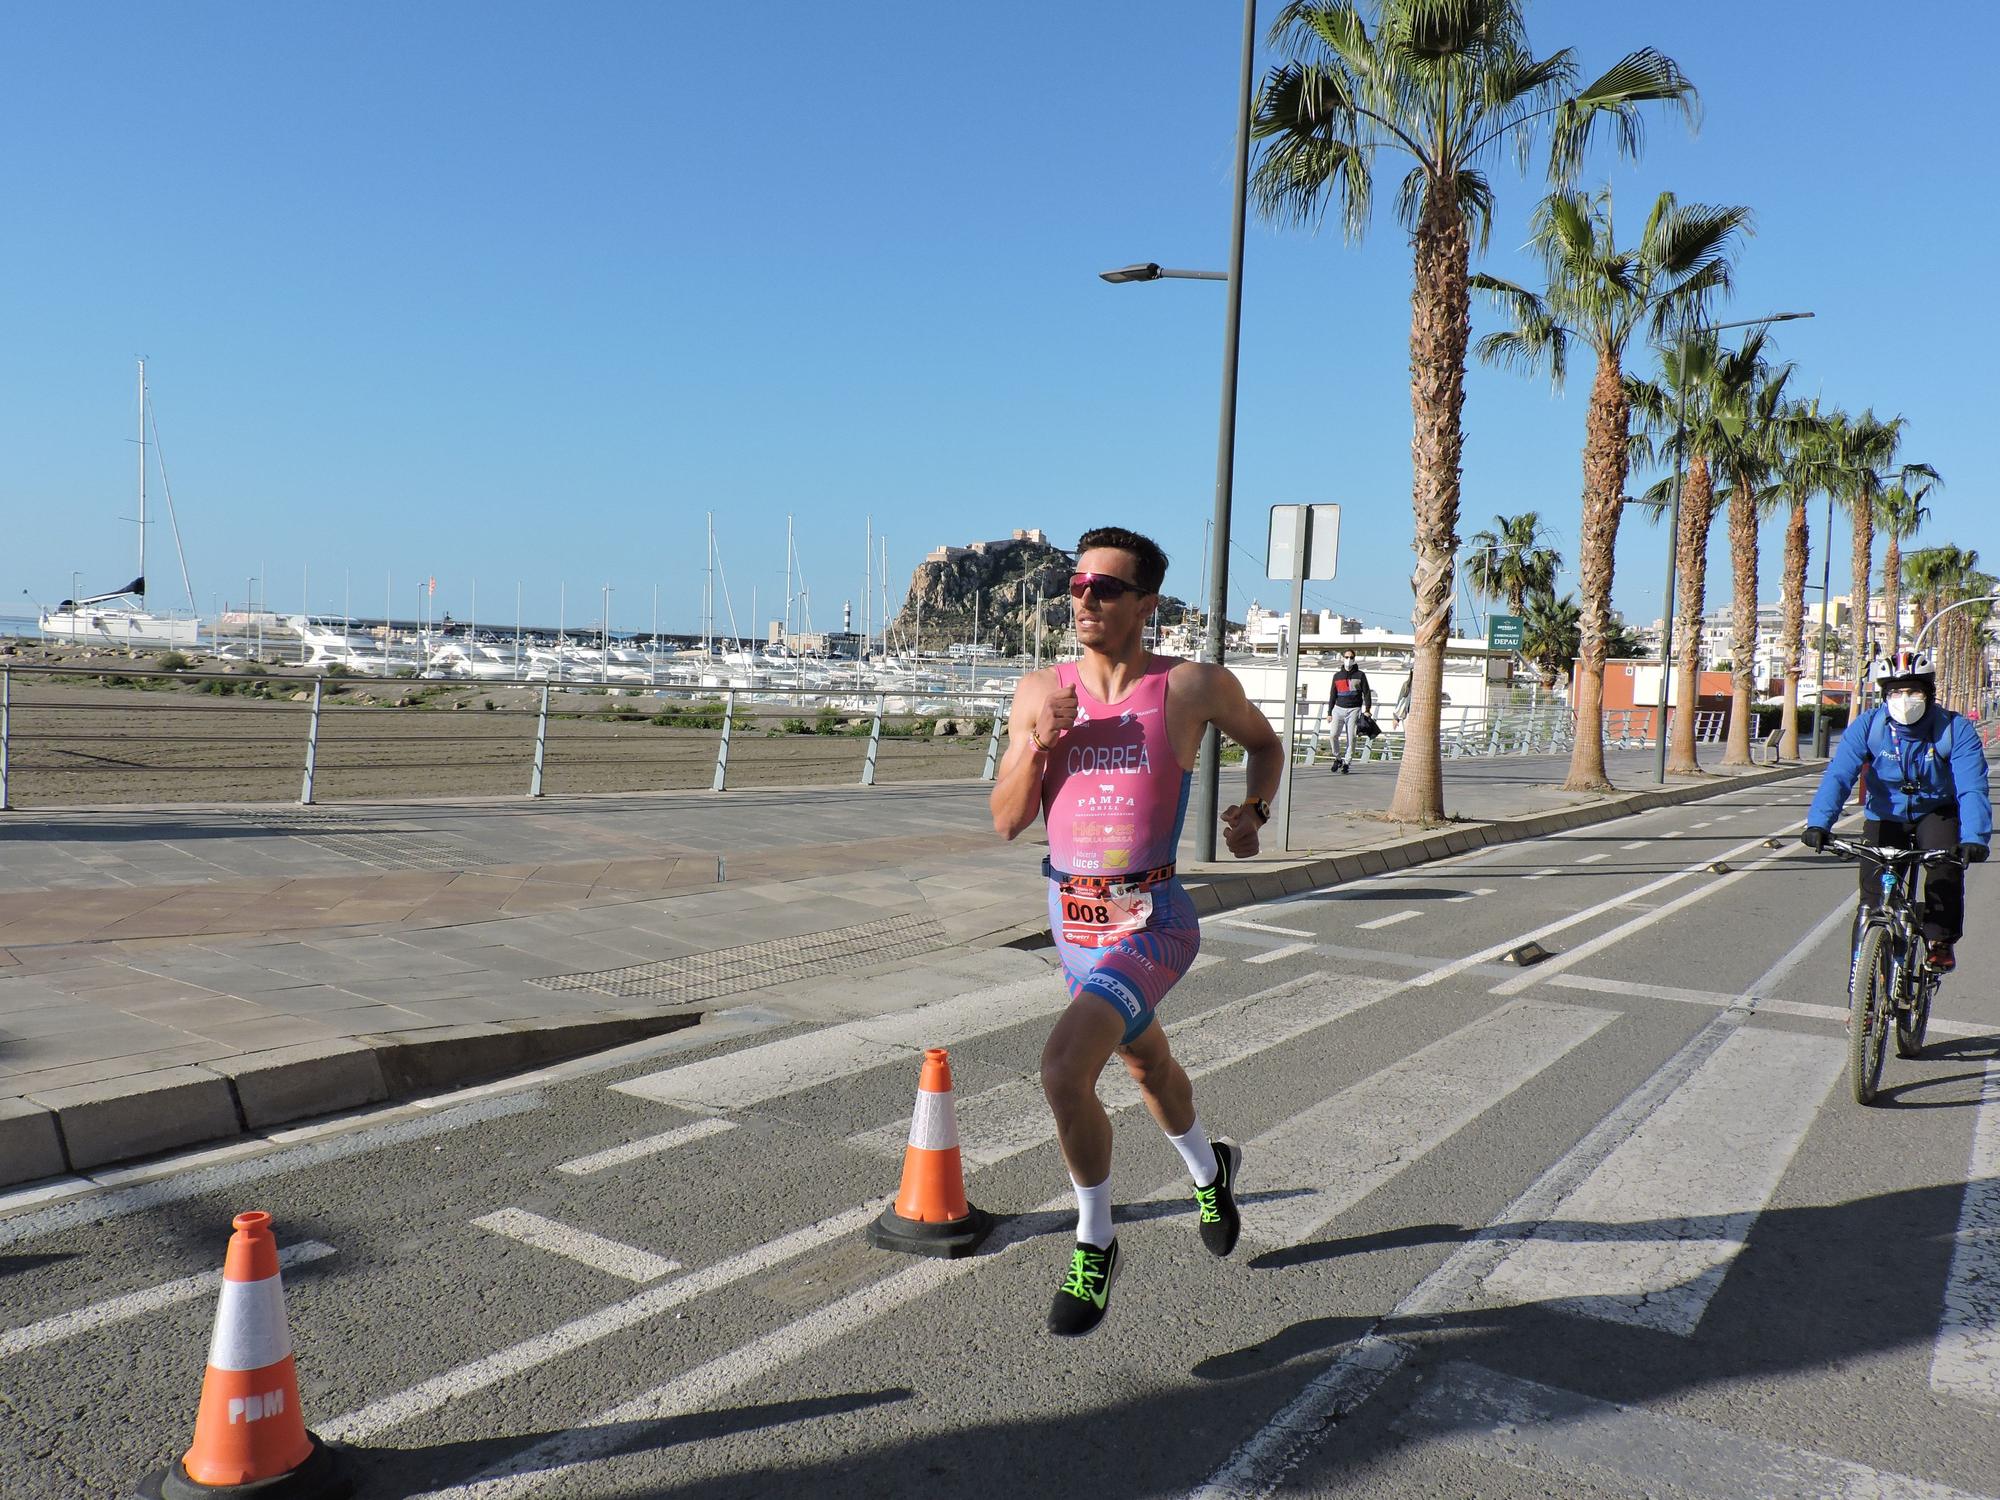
[1114, 797]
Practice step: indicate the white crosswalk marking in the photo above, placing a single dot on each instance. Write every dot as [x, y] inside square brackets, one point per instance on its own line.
[1320, 1163]
[1389, 921]
[1272, 955]
[579, 1245]
[753, 1075]
[1551, 1433]
[1966, 1362]
[1647, 1237]
[652, 1145]
[1013, 1117]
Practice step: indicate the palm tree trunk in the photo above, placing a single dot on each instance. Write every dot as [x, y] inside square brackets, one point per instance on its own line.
[1440, 327]
[1797, 549]
[1606, 427]
[1863, 549]
[1892, 590]
[1743, 619]
[1697, 509]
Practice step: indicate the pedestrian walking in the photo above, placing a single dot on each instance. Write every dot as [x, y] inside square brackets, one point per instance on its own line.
[1347, 700]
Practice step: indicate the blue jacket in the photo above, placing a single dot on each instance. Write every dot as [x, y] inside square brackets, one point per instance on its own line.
[1935, 762]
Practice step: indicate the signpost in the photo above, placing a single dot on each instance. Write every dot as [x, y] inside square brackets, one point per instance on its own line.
[1503, 632]
[1304, 543]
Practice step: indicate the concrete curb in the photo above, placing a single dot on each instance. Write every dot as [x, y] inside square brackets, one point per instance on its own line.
[86, 1126]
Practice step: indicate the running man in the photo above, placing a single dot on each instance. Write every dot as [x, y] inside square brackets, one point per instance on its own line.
[1102, 748]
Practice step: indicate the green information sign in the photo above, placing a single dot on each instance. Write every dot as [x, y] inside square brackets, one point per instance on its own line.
[1503, 632]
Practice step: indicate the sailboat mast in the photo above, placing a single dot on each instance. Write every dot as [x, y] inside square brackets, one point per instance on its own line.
[142, 479]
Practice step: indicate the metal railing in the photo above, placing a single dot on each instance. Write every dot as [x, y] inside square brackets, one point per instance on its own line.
[1547, 729]
[134, 735]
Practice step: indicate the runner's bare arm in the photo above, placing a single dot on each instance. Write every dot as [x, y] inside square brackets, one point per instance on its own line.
[1225, 706]
[1039, 709]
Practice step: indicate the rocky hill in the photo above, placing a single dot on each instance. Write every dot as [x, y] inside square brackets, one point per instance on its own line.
[1004, 577]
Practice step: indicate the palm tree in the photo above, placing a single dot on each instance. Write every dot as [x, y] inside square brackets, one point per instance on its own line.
[1899, 514]
[1682, 404]
[1805, 468]
[1551, 635]
[1448, 83]
[1930, 573]
[1601, 295]
[1863, 447]
[1749, 399]
[1509, 561]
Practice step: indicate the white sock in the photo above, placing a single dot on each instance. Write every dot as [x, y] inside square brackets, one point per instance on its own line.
[1093, 1213]
[1198, 1153]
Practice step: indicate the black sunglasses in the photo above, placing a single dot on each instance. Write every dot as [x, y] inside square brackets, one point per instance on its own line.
[1107, 586]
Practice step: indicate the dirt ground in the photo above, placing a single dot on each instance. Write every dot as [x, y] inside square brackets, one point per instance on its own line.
[77, 745]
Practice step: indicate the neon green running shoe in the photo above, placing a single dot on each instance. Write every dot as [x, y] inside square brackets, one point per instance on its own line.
[1085, 1292]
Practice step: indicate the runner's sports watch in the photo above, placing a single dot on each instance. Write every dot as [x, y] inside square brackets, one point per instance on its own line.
[1261, 808]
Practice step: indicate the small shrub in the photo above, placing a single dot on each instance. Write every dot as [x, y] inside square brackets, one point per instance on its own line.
[828, 721]
[173, 661]
[489, 703]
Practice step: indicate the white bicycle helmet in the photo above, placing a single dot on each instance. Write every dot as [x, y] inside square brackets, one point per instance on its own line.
[1904, 668]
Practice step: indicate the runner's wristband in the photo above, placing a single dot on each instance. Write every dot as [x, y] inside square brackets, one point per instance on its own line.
[1037, 740]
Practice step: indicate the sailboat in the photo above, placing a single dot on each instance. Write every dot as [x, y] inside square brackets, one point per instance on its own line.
[120, 617]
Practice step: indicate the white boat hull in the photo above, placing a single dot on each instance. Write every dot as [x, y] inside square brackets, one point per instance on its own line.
[119, 627]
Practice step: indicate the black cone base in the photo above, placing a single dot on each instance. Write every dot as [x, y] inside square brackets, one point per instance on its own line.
[323, 1476]
[951, 1240]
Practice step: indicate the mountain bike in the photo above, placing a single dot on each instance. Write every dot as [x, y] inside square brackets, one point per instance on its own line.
[1892, 974]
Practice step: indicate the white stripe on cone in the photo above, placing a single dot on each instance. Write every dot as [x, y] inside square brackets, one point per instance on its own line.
[250, 1328]
[934, 1124]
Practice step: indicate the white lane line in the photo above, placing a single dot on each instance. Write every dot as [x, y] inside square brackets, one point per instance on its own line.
[1264, 927]
[1541, 874]
[1484, 890]
[567, 1454]
[1671, 833]
[579, 1333]
[1009, 1118]
[1647, 1238]
[1698, 825]
[1966, 1360]
[1591, 859]
[1323, 1161]
[1347, 1381]
[1554, 1433]
[1272, 955]
[580, 1245]
[652, 1145]
[1724, 817]
[79, 1212]
[754, 1075]
[138, 1304]
[1389, 921]
[1636, 844]
[1548, 968]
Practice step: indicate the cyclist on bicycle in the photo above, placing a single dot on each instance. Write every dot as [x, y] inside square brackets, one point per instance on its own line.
[1924, 773]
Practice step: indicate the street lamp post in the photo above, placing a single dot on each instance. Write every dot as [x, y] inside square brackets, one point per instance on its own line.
[1208, 776]
[1820, 726]
[1674, 525]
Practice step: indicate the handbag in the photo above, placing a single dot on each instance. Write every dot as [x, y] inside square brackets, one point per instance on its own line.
[1366, 727]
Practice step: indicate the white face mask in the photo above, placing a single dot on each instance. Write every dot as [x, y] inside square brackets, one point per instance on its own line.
[1907, 708]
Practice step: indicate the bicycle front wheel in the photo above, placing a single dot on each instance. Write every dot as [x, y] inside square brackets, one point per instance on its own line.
[1911, 1024]
[1867, 1014]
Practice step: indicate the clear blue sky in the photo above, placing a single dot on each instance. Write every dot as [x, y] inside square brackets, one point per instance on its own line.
[506, 292]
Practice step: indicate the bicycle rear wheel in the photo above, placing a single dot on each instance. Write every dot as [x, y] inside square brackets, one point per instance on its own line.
[1911, 1024]
[1867, 1014]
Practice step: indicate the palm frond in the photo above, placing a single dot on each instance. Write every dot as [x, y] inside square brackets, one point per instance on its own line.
[1644, 76]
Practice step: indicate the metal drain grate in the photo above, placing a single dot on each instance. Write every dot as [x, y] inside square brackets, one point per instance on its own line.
[367, 844]
[755, 966]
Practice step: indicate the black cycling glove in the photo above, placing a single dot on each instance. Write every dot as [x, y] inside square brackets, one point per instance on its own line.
[1814, 839]
[1972, 854]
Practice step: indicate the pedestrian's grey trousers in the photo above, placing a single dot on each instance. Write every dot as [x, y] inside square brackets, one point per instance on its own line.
[1346, 721]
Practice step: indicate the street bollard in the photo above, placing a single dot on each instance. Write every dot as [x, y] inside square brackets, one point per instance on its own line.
[993, 741]
[722, 745]
[541, 744]
[6, 713]
[312, 745]
[874, 740]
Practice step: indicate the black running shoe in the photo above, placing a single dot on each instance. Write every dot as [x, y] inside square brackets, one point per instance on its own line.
[1085, 1292]
[1220, 1222]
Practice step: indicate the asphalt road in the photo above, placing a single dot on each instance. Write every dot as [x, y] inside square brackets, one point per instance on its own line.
[1608, 1225]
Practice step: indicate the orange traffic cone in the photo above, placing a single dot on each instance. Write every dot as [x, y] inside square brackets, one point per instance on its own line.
[930, 1215]
[250, 1437]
